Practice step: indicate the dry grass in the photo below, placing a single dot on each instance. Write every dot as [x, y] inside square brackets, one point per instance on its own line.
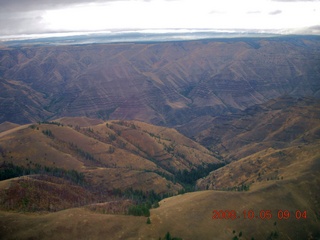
[266, 165]
[188, 216]
[111, 155]
[288, 180]
[5, 126]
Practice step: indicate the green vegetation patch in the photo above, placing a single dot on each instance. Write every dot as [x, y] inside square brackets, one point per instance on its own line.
[9, 170]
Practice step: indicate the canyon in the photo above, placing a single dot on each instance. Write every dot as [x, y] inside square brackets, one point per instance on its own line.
[90, 134]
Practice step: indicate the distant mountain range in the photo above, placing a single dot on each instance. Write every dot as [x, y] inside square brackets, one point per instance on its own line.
[166, 83]
[125, 36]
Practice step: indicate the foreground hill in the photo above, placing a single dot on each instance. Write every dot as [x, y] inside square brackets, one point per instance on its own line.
[6, 126]
[110, 155]
[189, 216]
[273, 171]
[166, 83]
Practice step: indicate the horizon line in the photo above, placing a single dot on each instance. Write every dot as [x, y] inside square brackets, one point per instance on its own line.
[144, 35]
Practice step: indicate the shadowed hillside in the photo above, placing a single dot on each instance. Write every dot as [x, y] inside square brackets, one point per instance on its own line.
[166, 83]
[278, 123]
[273, 141]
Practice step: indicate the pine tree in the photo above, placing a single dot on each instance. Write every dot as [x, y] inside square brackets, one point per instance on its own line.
[167, 236]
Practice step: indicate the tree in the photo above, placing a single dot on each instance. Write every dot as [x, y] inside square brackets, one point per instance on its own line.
[148, 221]
[167, 236]
[111, 149]
[139, 210]
[48, 133]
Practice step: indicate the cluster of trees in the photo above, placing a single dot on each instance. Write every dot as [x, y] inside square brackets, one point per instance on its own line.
[82, 153]
[139, 210]
[85, 154]
[112, 137]
[52, 122]
[9, 170]
[169, 148]
[144, 201]
[243, 187]
[48, 133]
[188, 179]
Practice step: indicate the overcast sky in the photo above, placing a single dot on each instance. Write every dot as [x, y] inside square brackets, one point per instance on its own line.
[42, 16]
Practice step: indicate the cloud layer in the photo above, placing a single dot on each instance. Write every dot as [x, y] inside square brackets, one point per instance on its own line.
[41, 16]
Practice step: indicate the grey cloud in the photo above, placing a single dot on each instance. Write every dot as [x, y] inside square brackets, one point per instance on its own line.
[24, 16]
[314, 29]
[34, 5]
[276, 12]
[20, 24]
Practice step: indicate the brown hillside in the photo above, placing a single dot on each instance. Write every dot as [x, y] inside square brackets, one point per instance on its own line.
[273, 149]
[43, 193]
[114, 154]
[20, 101]
[277, 124]
[277, 140]
[188, 216]
[167, 83]
[7, 126]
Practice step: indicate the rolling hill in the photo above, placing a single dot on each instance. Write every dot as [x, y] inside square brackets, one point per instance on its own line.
[188, 216]
[111, 155]
[278, 173]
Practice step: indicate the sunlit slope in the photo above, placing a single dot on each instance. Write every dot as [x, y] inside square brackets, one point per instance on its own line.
[263, 166]
[70, 224]
[115, 154]
[7, 126]
[188, 216]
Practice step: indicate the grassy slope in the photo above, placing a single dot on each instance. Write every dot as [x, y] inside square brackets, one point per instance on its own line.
[5, 126]
[188, 216]
[272, 141]
[119, 155]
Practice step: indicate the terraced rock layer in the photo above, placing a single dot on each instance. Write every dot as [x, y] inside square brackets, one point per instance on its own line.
[168, 83]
